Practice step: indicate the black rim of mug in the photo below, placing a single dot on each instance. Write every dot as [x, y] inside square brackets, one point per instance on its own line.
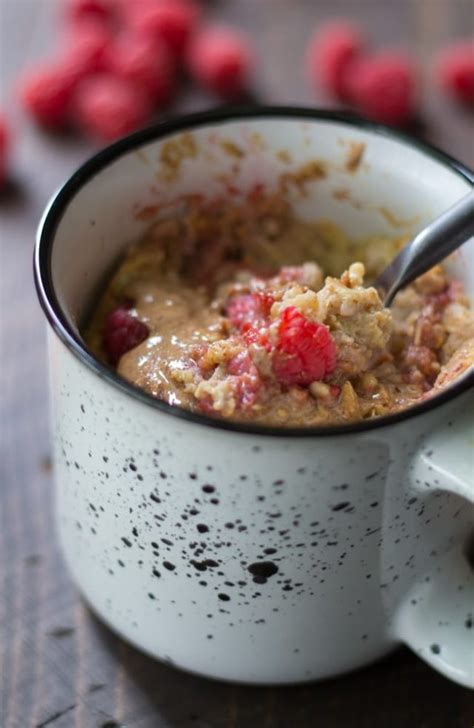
[59, 203]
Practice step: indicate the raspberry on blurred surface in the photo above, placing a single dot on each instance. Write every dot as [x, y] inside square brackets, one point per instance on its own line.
[331, 50]
[220, 60]
[455, 71]
[107, 107]
[45, 92]
[86, 49]
[122, 332]
[79, 10]
[144, 63]
[383, 87]
[305, 350]
[169, 21]
[4, 146]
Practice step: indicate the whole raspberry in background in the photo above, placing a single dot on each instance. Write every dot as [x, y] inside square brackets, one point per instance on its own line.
[305, 350]
[331, 50]
[146, 64]
[220, 60]
[122, 332]
[383, 86]
[86, 49]
[169, 21]
[4, 144]
[455, 71]
[46, 92]
[98, 10]
[107, 107]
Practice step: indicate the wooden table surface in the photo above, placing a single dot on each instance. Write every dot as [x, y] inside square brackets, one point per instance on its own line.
[59, 666]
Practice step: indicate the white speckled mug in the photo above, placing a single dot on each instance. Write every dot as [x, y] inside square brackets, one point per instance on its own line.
[239, 552]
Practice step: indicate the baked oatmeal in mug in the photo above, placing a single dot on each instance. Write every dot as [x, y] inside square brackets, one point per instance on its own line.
[239, 309]
[235, 550]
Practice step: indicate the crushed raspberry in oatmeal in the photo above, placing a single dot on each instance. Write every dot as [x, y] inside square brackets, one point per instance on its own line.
[122, 332]
[305, 351]
[203, 314]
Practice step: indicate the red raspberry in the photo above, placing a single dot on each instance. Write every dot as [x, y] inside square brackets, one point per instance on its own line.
[249, 314]
[108, 107]
[46, 94]
[169, 21]
[331, 51]
[145, 64]
[455, 71]
[122, 332]
[305, 351]
[249, 310]
[86, 49]
[220, 60]
[247, 381]
[240, 364]
[244, 379]
[99, 10]
[3, 134]
[4, 142]
[206, 405]
[383, 87]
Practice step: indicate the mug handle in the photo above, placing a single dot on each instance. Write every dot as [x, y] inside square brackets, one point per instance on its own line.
[441, 603]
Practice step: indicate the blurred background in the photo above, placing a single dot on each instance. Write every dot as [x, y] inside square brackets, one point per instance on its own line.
[74, 75]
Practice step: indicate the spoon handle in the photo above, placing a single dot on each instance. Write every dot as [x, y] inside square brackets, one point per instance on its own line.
[430, 246]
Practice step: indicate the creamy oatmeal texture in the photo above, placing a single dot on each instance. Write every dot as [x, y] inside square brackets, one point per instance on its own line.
[242, 311]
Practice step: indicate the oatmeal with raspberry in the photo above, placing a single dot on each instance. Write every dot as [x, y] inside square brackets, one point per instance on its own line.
[243, 311]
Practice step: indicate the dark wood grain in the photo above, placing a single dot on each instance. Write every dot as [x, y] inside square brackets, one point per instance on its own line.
[58, 665]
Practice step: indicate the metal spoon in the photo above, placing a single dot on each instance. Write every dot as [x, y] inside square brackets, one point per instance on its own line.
[446, 233]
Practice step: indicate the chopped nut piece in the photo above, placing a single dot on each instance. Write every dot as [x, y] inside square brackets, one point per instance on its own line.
[320, 390]
[349, 402]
